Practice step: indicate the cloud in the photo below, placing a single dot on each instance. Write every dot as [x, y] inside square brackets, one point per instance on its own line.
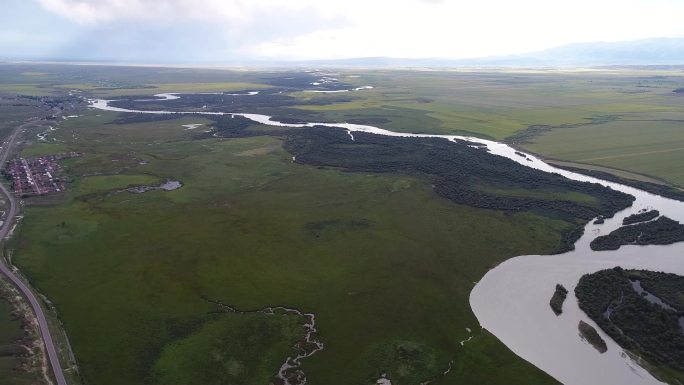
[185, 30]
[231, 11]
[460, 29]
[222, 30]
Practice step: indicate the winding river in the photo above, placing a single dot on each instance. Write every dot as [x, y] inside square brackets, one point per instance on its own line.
[512, 300]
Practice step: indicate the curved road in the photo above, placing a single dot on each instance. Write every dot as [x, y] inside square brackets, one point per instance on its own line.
[5, 270]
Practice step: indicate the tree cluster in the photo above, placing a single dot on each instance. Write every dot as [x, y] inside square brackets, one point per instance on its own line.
[459, 172]
[636, 324]
[559, 296]
[591, 335]
[659, 189]
[662, 231]
[641, 217]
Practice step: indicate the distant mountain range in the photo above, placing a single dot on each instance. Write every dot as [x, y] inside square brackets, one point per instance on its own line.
[656, 51]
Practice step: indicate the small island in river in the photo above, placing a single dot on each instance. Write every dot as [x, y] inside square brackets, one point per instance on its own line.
[589, 334]
[643, 311]
[662, 231]
[559, 296]
[643, 216]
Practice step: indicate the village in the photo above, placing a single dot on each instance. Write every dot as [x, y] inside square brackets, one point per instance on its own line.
[37, 176]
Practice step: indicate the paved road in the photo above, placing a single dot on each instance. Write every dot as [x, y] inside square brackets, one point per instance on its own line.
[5, 270]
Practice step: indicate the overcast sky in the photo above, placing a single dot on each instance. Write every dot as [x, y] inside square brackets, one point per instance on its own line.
[234, 31]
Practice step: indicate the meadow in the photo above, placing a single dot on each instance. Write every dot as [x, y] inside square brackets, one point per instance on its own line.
[625, 121]
[384, 262]
[643, 145]
[106, 81]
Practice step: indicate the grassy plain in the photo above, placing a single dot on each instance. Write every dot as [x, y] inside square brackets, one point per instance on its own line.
[106, 81]
[128, 272]
[643, 114]
[385, 264]
[498, 104]
[643, 134]
[14, 112]
[641, 144]
[108, 91]
[233, 348]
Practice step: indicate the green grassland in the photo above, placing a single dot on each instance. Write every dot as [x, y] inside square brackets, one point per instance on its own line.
[235, 349]
[99, 90]
[107, 91]
[641, 144]
[638, 104]
[108, 81]
[14, 112]
[643, 135]
[27, 89]
[384, 263]
[500, 104]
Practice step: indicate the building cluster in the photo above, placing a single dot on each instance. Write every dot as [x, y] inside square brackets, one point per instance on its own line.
[37, 176]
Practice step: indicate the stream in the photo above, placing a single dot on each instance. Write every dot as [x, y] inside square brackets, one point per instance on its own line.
[512, 300]
[289, 372]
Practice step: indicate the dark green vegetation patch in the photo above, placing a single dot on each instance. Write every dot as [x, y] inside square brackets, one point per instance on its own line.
[559, 296]
[662, 231]
[664, 190]
[588, 333]
[670, 289]
[641, 310]
[462, 174]
[641, 217]
[403, 362]
[236, 349]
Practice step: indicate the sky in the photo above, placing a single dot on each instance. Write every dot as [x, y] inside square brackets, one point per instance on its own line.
[240, 31]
